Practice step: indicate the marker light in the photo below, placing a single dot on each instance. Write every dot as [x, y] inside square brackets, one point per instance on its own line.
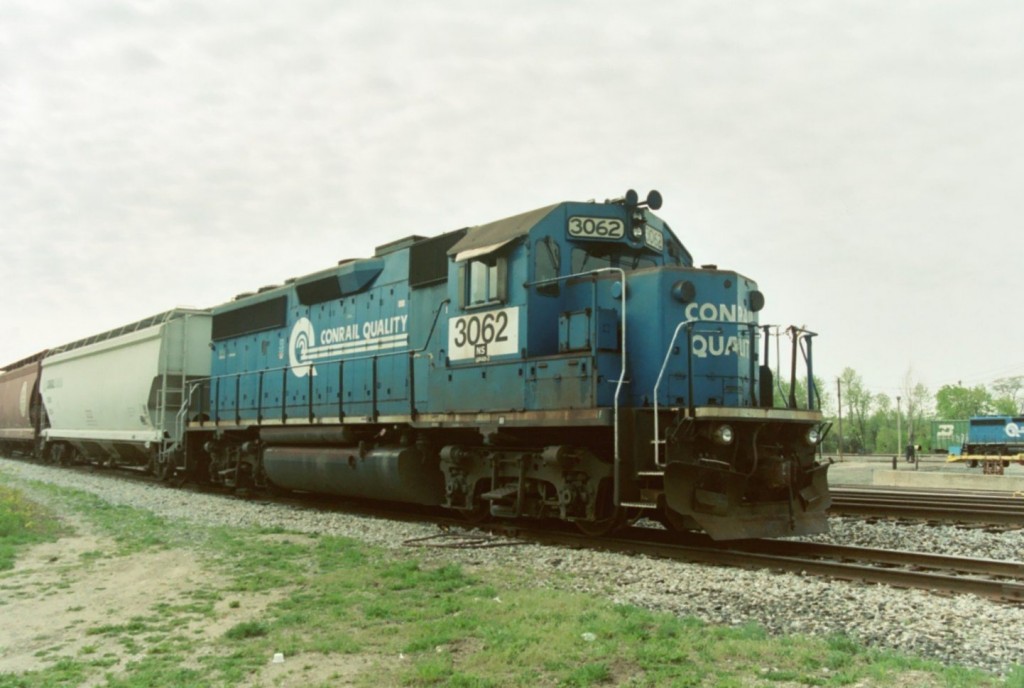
[813, 436]
[684, 291]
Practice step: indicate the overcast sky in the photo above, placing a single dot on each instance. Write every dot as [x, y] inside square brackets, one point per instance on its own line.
[862, 161]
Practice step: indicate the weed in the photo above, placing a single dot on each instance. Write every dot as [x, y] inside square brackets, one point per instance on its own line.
[588, 675]
[104, 662]
[23, 522]
[1015, 678]
[64, 672]
[247, 629]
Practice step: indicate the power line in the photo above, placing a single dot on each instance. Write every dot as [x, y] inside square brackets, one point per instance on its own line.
[990, 376]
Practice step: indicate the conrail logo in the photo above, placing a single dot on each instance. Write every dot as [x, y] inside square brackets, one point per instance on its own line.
[1014, 430]
[299, 346]
[306, 347]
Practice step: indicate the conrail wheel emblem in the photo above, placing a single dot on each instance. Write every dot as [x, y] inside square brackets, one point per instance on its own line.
[299, 344]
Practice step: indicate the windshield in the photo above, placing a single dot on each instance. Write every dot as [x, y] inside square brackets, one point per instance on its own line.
[585, 260]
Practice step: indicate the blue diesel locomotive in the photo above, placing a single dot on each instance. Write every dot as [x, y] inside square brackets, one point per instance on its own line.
[995, 436]
[570, 362]
[993, 440]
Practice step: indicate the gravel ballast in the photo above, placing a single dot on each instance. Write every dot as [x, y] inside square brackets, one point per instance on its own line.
[954, 630]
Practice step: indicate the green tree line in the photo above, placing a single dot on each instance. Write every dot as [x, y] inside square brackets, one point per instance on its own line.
[872, 422]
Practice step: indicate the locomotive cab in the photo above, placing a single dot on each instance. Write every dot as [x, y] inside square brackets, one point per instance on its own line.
[586, 315]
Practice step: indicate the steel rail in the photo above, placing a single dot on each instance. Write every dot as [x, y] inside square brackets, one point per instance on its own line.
[996, 580]
[932, 506]
[919, 560]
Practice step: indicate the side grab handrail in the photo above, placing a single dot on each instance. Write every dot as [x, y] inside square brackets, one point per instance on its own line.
[802, 339]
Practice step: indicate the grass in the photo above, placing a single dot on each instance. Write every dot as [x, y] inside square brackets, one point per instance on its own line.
[22, 523]
[133, 530]
[400, 619]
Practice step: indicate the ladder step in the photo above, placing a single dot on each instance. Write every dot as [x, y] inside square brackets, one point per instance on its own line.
[639, 505]
[651, 474]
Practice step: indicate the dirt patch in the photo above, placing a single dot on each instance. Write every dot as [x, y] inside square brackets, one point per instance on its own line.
[78, 598]
[330, 670]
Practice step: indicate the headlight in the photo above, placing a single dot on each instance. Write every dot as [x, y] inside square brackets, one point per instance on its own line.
[723, 434]
[813, 436]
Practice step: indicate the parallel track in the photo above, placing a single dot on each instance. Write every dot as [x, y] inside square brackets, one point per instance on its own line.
[950, 506]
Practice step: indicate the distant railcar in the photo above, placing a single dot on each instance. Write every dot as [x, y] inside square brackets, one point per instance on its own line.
[21, 412]
[948, 436]
[994, 437]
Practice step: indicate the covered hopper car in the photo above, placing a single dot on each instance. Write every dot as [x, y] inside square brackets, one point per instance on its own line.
[21, 412]
[115, 397]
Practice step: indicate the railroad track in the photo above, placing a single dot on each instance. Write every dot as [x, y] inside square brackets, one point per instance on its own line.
[997, 580]
[1001, 581]
[952, 506]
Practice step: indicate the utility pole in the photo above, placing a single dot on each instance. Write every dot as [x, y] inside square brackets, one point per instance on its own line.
[899, 431]
[839, 396]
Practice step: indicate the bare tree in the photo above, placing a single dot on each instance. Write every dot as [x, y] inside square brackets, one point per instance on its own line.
[919, 401]
[857, 405]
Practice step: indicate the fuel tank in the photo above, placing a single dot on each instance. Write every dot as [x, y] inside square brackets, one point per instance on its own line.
[395, 474]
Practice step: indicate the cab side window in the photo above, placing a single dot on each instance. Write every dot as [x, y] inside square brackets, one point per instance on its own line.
[547, 264]
[483, 281]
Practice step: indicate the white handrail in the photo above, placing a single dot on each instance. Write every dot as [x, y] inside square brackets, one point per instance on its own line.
[657, 442]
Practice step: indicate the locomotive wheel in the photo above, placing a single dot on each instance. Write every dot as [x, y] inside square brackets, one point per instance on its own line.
[609, 517]
[160, 468]
[675, 522]
[480, 513]
[164, 471]
[602, 527]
